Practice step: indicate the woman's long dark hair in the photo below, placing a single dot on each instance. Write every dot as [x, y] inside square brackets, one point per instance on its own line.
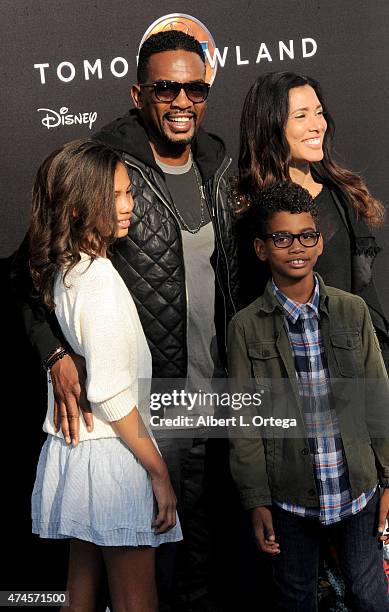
[73, 196]
[264, 156]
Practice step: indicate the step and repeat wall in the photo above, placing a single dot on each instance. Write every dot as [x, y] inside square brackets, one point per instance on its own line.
[67, 68]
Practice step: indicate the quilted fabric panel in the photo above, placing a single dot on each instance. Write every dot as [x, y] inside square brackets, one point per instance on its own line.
[150, 261]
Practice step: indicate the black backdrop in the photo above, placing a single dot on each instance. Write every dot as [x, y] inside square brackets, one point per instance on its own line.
[350, 61]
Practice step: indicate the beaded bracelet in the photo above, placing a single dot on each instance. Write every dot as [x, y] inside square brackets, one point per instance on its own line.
[54, 360]
[53, 357]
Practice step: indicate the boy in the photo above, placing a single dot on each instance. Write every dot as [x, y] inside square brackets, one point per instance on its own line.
[296, 487]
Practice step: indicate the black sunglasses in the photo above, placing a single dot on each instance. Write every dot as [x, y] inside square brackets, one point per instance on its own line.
[167, 91]
[283, 240]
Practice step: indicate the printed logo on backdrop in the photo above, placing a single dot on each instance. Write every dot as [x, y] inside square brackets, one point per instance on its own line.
[193, 27]
[218, 56]
[264, 53]
[53, 119]
[91, 69]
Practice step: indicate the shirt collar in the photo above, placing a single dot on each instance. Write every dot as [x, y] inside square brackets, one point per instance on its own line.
[294, 309]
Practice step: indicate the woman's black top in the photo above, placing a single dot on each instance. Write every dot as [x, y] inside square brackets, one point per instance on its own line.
[334, 265]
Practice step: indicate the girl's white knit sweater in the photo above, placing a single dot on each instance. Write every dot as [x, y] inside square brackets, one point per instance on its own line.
[100, 321]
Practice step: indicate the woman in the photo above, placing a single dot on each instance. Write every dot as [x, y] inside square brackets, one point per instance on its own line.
[286, 133]
[111, 494]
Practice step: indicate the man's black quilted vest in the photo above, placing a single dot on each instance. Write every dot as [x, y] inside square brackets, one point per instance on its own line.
[150, 259]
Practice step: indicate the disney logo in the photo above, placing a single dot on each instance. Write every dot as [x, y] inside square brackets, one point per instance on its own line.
[53, 119]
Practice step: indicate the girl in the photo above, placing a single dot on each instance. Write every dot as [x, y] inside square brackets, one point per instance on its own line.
[286, 134]
[101, 493]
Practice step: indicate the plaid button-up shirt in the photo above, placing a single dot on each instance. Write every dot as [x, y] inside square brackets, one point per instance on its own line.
[302, 323]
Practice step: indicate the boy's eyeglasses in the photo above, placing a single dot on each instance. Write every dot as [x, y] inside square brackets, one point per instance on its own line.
[283, 240]
[167, 91]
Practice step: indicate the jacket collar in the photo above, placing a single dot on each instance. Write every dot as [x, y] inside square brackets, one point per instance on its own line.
[128, 134]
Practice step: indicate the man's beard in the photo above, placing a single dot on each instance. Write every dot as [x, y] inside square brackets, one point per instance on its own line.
[178, 143]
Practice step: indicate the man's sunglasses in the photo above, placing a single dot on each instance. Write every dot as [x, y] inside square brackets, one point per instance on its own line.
[167, 91]
[283, 240]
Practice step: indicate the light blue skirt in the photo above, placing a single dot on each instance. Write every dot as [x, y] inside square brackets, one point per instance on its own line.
[98, 492]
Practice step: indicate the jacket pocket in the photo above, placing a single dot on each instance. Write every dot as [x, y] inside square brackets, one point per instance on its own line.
[265, 362]
[348, 355]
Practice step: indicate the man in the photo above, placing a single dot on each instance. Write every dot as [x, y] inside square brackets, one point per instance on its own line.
[178, 261]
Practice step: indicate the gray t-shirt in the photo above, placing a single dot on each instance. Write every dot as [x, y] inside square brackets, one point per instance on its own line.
[203, 357]
[184, 189]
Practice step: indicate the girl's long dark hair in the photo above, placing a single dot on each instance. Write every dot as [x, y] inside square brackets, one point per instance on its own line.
[264, 156]
[73, 196]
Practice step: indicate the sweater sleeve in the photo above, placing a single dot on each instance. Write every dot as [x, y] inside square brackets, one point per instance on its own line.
[109, 341]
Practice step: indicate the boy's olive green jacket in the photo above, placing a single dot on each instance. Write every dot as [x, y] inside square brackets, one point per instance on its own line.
[271, 467]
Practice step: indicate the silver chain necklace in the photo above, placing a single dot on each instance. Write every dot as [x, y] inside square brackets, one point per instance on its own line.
[194, 230]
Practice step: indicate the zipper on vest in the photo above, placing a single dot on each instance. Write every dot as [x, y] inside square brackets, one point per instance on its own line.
[225, 257]
[220, 234]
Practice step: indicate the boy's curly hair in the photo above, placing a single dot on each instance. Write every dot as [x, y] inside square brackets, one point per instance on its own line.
[280, 197]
